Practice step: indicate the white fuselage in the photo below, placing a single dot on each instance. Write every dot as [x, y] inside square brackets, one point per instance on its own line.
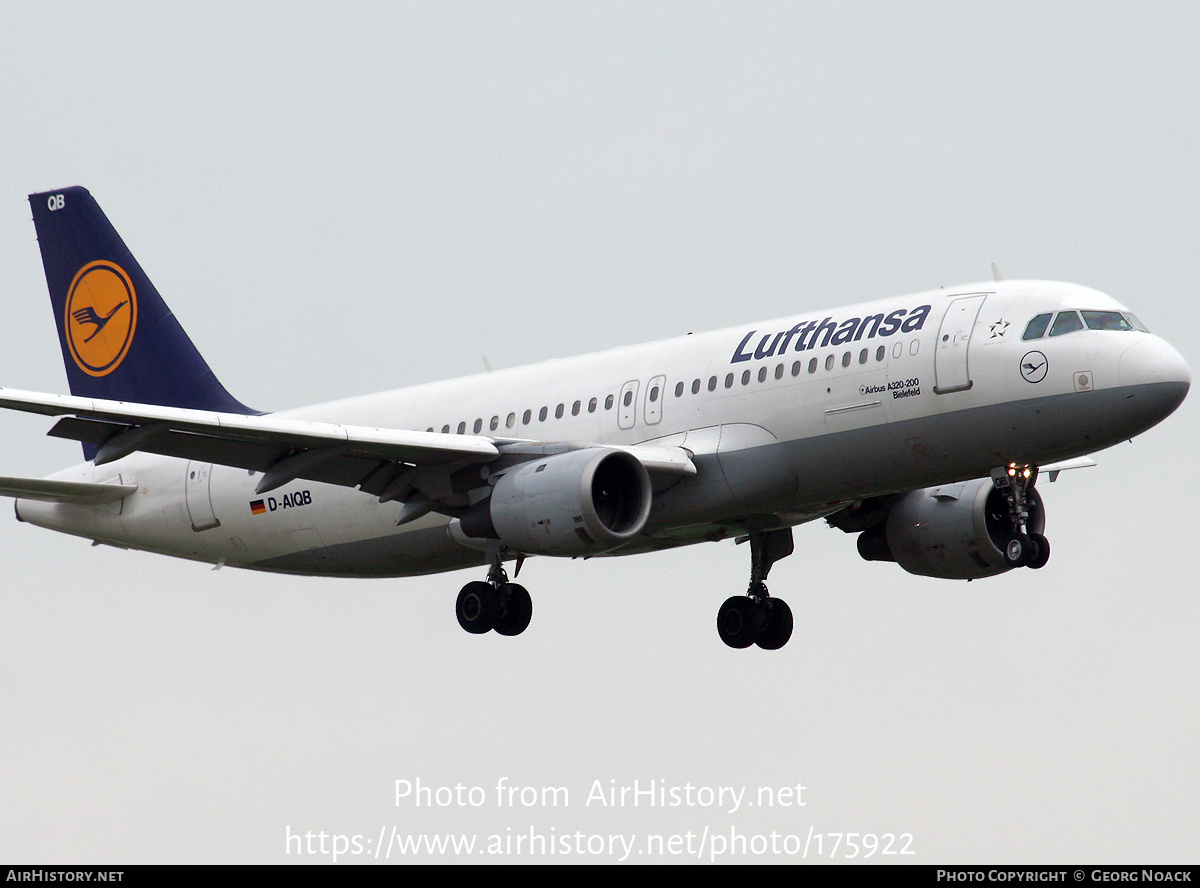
[787, 420]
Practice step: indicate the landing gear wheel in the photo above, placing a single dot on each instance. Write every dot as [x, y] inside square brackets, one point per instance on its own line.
[739, 621]
[518, 610]
[1041, 551]
[477, 607]
[777, 624]
[1017, 550]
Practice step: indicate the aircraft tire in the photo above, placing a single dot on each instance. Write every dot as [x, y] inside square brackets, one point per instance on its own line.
[517, 613]
[477, 607]
[777, 624]
[1041, 551]
[1017, 550]
[739, 621]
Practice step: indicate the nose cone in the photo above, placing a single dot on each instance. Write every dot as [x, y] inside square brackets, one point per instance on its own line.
[1155, 373]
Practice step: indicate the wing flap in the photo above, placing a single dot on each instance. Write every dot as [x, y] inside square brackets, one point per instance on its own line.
[348, 469]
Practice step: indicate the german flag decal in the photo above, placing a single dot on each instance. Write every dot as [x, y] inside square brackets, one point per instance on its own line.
[257, 507]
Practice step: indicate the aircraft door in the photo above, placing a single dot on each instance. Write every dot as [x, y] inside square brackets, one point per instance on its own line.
[654, 399]
[627, 405]
[198, 497]
[950, 368]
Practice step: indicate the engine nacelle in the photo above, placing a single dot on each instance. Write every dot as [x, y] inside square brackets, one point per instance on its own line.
[583, 502]
[955, 531]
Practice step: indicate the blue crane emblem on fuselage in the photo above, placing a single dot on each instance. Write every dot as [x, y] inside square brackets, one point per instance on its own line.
[1034, 366]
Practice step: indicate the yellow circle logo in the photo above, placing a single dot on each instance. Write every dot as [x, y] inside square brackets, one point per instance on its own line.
[101, 317]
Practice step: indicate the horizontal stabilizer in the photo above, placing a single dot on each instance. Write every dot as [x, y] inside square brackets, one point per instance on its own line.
[80, 493]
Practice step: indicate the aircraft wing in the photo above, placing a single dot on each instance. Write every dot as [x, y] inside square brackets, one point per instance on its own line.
[384, 462]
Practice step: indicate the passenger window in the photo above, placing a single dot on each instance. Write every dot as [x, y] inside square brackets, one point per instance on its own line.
[796, 368]
[494, 423]
[608, 402]
[679, 389]
[846, 359]
[879, 353]
[628, 399]
[729, 380]
[462, 428]
[478, 425]
[1036, 328]
[445, 429]
[695, 386]
[779, 372]
[653, 394]
[592, 406]
[528, 416]
[829, 362]
[542, 415]
[712, 383]
[558, 411]
[812, 365]
[862, 356]
[575, 409]
[1066, 322]
[745, 377]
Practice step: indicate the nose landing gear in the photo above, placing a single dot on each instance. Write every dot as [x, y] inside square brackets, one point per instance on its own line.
[1022, 548]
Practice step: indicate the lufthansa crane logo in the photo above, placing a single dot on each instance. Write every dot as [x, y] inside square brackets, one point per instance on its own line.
[1034, 366]
[101, 316]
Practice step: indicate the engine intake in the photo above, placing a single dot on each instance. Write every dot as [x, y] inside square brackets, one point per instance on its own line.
[583, 502]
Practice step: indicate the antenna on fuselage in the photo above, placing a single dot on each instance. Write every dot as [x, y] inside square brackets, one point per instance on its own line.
[996, 275]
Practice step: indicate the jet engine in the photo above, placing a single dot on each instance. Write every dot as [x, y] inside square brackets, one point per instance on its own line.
[955, 531]
[583, 502]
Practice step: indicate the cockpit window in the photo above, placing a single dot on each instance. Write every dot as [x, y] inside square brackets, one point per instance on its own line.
[1106, 320]
[1069, 322]
[1037, 327]
[1066, 322]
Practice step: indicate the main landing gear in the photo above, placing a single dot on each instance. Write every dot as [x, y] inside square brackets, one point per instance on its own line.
[494, 604]
[756, 617]
[1022, 548]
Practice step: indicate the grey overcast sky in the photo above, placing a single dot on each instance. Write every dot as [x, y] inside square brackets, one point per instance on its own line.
[342, 198]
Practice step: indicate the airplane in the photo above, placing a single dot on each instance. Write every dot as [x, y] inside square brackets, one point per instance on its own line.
[919, 423]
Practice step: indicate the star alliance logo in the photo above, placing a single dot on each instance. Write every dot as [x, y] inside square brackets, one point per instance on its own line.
[998, 328]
